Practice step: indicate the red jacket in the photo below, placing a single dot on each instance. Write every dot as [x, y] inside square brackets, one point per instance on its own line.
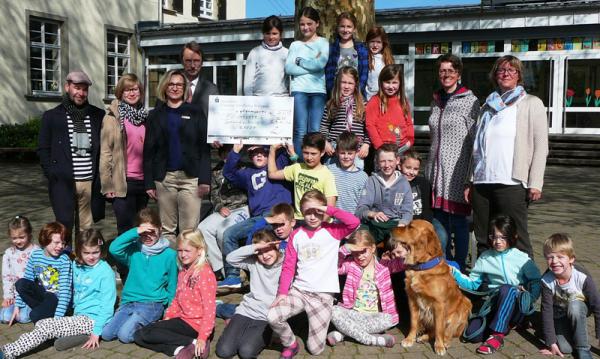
[194, 300]
[389, 127]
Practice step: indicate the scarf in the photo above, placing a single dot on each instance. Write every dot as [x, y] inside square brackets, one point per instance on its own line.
[156, 248]
[81, 140]
[494, 103]
[348, 103]
[135, 115]
[272, 48]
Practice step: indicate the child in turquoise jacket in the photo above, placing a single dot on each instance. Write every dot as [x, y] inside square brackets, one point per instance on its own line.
[152, 279]
[511, 273]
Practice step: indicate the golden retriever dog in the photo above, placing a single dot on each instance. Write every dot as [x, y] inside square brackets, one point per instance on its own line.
[438, 309]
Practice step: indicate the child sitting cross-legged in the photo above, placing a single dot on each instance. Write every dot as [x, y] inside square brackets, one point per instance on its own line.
[386, 200]
[368, 307]
[309, 275]
[248, 332]
[189, 320]
[568, 295]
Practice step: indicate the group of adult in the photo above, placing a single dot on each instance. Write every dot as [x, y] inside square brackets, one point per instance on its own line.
[489, 157]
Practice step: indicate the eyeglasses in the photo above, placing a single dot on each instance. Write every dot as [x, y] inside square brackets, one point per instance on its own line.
[509, 71]
[497, 238]
[133, 89]
[447, 72]
[176, 85]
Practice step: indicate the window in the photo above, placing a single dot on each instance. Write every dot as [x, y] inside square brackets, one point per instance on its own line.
[582, 93]
[44, 56]
[117, 59]
[202, 8]
[173, 5]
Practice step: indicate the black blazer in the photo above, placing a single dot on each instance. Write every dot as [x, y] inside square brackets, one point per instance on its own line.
[204, 88]
[192, 134]
[54, 151]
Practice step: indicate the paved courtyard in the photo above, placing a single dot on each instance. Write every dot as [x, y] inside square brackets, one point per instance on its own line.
[570, 204]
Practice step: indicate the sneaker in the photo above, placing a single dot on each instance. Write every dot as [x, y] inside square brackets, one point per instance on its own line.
[290, 352]
[389, 340]
[334, 337]
[230, 282]
[188, 352]
[72, 341]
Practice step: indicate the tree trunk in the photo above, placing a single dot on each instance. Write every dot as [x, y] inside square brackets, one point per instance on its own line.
[364, 10]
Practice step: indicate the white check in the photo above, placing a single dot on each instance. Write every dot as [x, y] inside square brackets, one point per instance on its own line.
[260, 120]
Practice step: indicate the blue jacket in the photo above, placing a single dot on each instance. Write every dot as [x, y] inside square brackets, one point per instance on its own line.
[332, 64]
[94, 293]
[263, 193]
[511, 267]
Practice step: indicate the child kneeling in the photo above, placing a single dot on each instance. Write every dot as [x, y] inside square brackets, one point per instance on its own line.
[368, 288]
[248, 332]
[568, 295]
[190, 319]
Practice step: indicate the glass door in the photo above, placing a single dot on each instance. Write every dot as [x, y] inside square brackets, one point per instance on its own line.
[581, 101]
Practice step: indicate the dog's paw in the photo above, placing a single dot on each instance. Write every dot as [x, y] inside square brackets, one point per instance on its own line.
[407, 342]
[440, 348]
[423, 338]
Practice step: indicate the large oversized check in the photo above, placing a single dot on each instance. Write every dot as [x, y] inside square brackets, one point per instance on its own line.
[260, 120]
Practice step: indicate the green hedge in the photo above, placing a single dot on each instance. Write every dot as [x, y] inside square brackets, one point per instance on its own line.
[21, 135]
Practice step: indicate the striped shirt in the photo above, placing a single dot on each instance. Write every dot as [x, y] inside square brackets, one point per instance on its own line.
[349, 185]
[332, 127]
[82, 164]
[54, 274]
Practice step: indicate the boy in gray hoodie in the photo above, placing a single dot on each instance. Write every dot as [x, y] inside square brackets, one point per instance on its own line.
[386, 200]
[248, 332]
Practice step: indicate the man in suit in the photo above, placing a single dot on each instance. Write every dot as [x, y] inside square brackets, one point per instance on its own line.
[200, 88]
[69, 151]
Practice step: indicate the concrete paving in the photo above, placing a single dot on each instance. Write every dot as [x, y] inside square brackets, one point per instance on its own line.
[569, 205]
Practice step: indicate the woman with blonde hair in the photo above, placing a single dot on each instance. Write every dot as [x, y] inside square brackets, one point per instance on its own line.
[121, 151]
[190, 319]
[176, 156]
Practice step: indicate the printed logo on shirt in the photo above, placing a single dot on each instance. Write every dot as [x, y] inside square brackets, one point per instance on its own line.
[309, 252]
[417, 204]
[48, 277]
[258, 180]
[398, 199]
[305, 182]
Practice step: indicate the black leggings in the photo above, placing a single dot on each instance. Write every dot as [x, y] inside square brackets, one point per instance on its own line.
[165, 336]
[42, 303]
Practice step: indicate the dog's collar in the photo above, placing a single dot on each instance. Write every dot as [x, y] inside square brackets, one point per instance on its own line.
[426, 265]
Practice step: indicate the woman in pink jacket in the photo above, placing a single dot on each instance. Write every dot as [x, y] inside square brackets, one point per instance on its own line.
[368, 289]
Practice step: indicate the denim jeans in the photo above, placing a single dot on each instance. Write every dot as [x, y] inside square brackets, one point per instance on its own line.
[457, 231]
[129, 318]
[231, 241]
[571, 332]
[226, 310]
[6, 314]
[441, 233]
[308, 110]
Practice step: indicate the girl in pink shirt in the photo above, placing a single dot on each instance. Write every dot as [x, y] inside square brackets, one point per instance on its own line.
[309, 274]
[368, 306]
[190, 318]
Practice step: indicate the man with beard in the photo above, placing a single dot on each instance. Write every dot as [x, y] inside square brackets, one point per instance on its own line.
[69, 149]
[200, 88]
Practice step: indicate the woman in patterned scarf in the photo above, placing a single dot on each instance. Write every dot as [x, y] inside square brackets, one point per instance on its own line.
[454, 111]
[509, 153]
[121, 152]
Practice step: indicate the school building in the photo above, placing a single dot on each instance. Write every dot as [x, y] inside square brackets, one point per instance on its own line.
[559, 42]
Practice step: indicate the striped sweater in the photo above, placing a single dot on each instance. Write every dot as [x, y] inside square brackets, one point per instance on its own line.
[383, 269]
[333, 126]
[54, 274]
[349, 185]
[82, 164]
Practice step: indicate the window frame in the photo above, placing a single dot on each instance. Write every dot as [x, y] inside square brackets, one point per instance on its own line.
[115, 55]
[62, 58]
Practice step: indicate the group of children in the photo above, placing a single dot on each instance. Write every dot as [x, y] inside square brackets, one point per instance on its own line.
[168, 302]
